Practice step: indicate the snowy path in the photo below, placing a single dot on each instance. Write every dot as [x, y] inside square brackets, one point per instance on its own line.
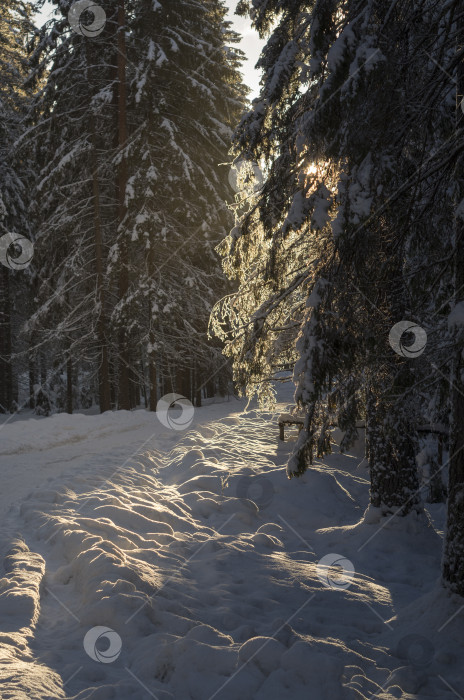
[202, 558]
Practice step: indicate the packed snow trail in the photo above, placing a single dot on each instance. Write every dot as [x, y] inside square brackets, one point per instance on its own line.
[200, 559]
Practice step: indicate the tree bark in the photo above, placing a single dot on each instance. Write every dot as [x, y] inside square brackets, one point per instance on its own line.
[31, 382]
[197, 387]
[453, 558]
[152, 375]
[103, 364]
[393, 470]
[152, 378]
[43, 369]
[134, 376]
[183, 382]
[124, 394]
[144, 383]
[6, 392]
[69, 385]
[210, 388]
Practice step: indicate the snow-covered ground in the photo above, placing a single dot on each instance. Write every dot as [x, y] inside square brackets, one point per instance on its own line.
[144, 562]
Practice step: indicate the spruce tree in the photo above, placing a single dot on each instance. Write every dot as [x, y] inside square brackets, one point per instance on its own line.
[337, 242]
[129, 128]
[72, 132]
[15, 173]
[186, 94]
[453, 560]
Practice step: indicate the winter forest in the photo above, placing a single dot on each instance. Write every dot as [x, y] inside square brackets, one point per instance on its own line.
[232, 349]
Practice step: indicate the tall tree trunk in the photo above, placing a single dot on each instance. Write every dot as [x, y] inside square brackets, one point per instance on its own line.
[437, 489]
[69, 384]
[134, 376]
[31, 381]
[163, 379]
[144, 383]
[211, 388]
[392, 464]
[103, 364]
[453, 559]
[124, 395]
[152, 375]
[197, 386]
[43, 369]
[113, 381]
[6, 393]
[183, 382]
[391, 430]
[104, 391]
[170, 379]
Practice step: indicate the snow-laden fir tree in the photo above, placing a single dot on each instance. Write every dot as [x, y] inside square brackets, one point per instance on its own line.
[453, 560]
[130, 128]
[186, 95]
[343, 236]
[14, 177]
[72, 132]
[371, 103]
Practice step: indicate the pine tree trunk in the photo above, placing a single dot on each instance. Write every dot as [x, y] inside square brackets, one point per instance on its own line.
[14, 389]
[113, 382]
[211, 389]
[169, 380]
[31, 382]
[152, 379]
[144, 382]
[183, 382]
[392, 463]
[134, 386]
[6, 394]
[453, 559]
[223, 381]
[437, 490]
[161, 380]
[197, 387]
[124, 394]
[103, 364]
[152, 375]
[69, 385]
[43, 369]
